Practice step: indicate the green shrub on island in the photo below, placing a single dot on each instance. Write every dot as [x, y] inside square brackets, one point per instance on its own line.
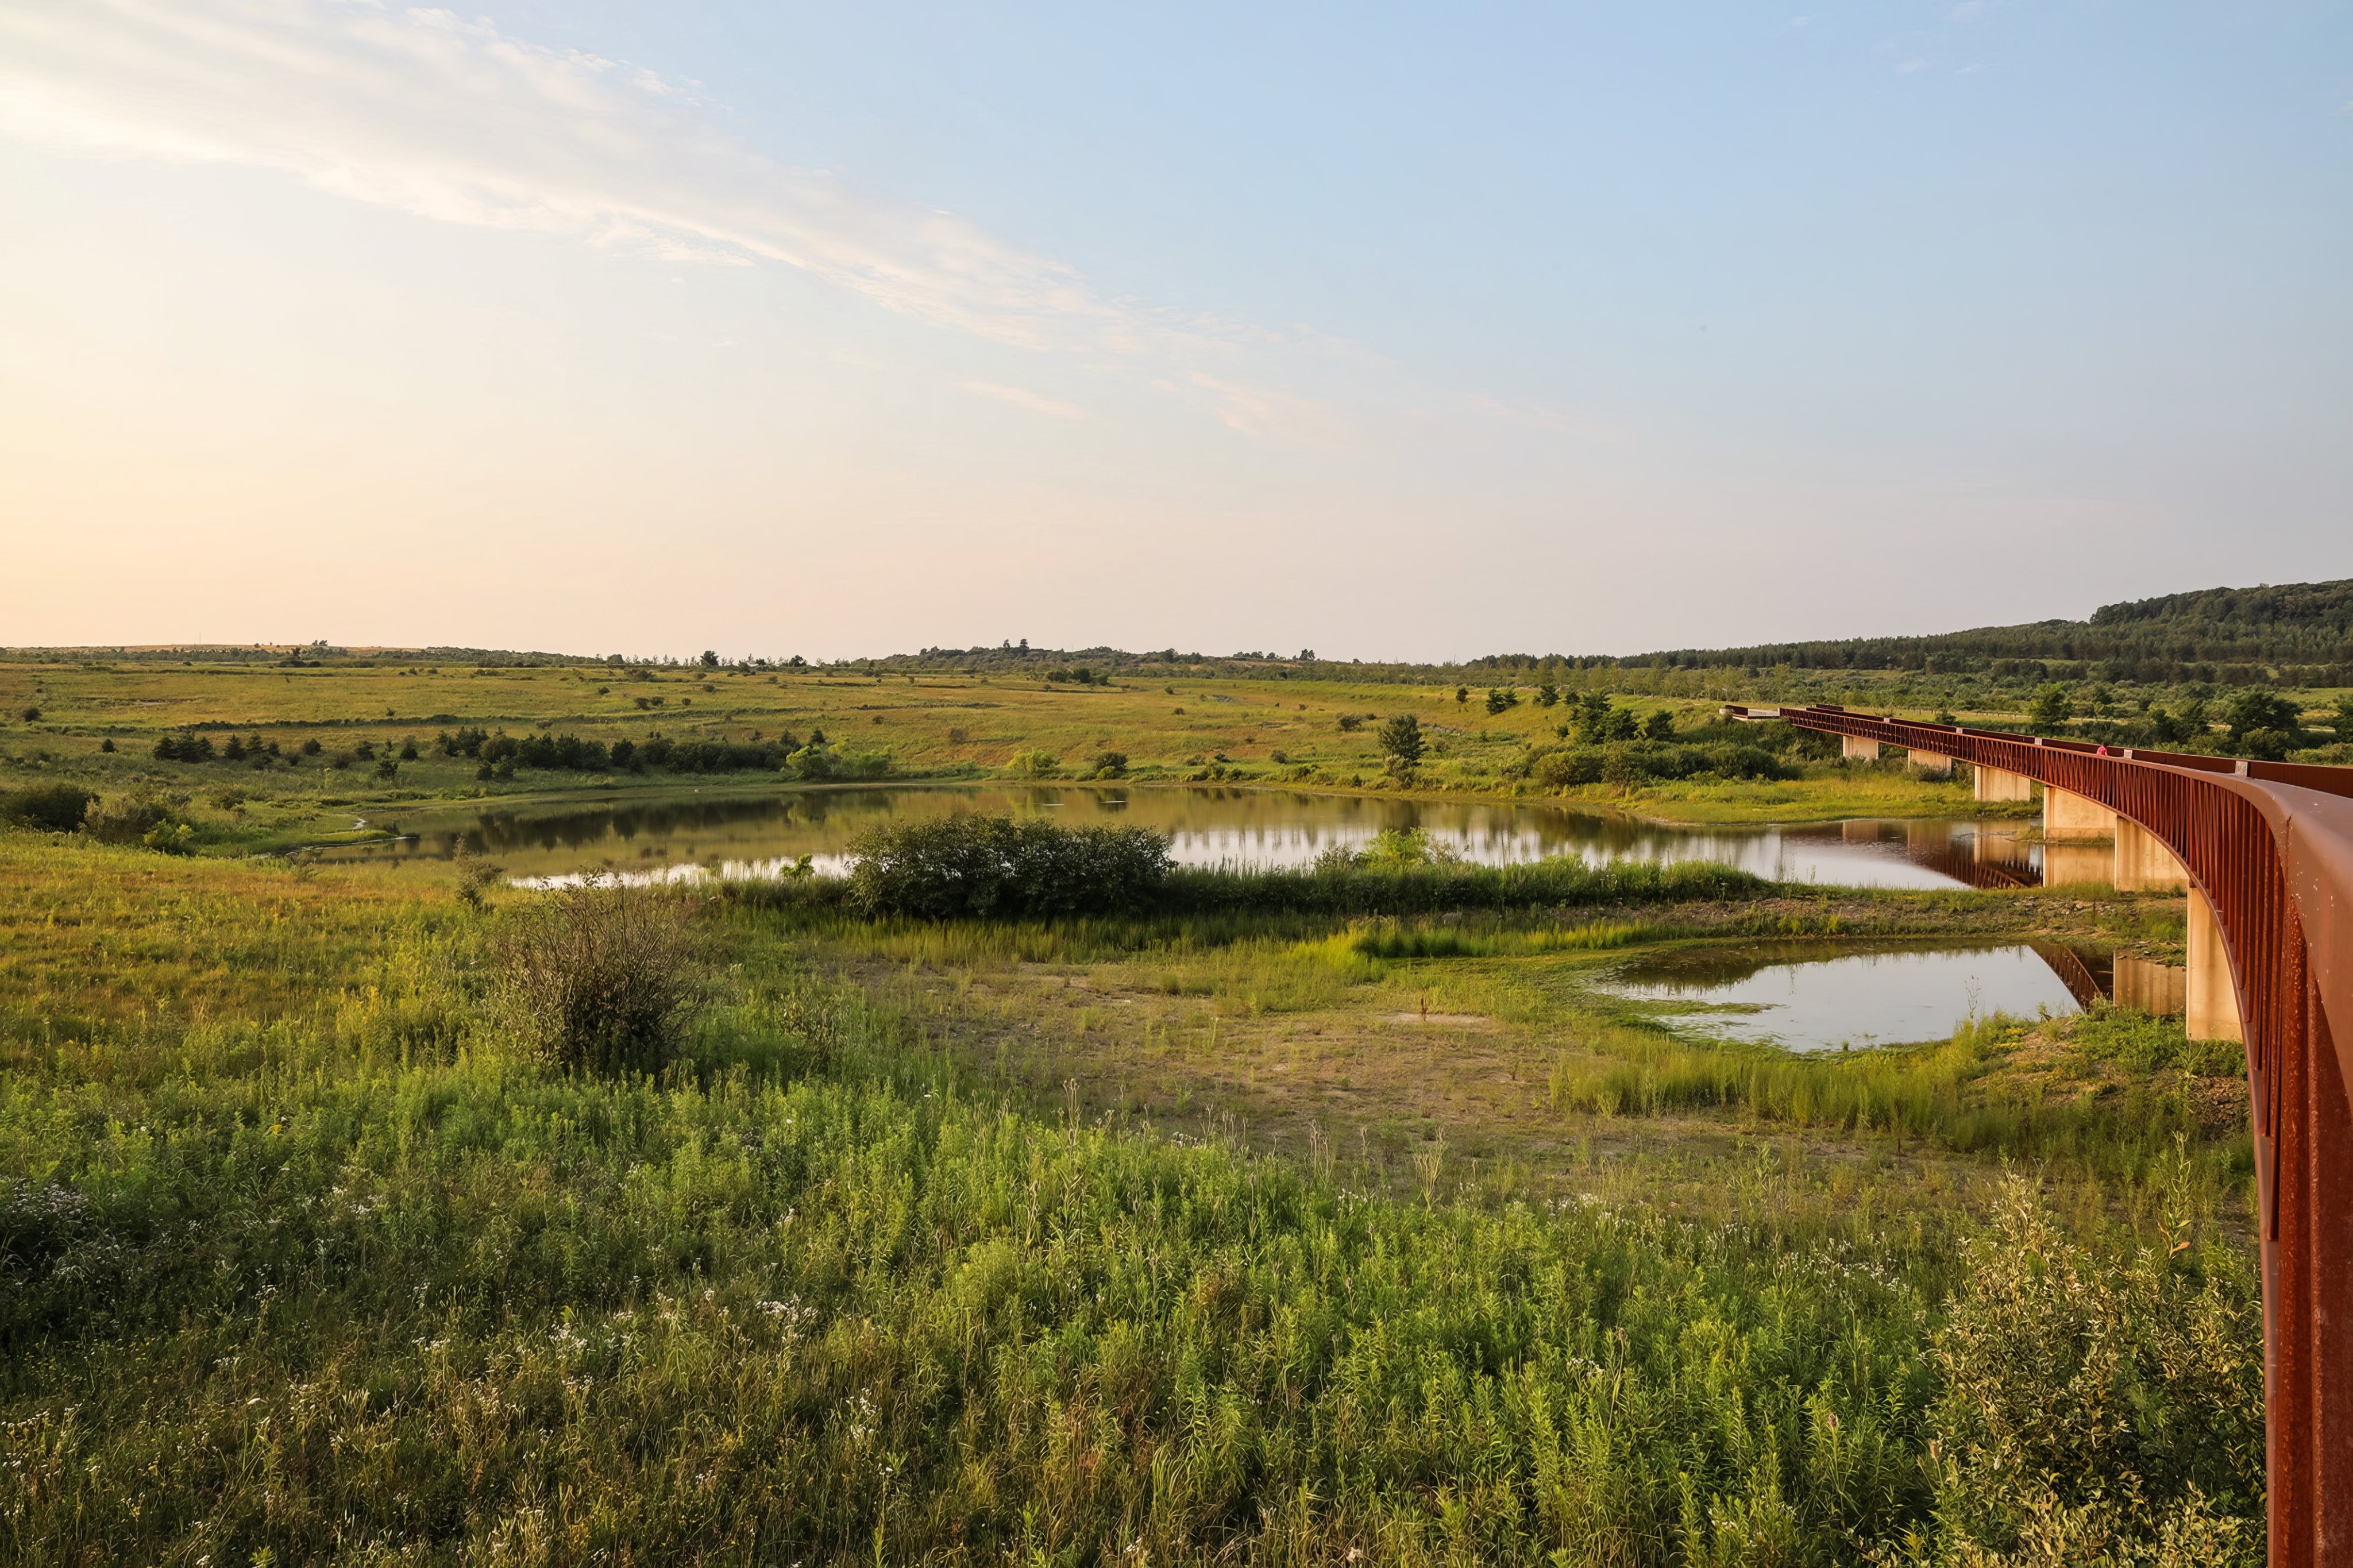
[981, 868]
[1003, 868]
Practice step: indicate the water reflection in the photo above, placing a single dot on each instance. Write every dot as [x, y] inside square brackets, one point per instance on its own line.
[749, 834]
[1813, 996]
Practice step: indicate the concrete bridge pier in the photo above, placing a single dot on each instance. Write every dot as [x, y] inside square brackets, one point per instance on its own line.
[2000, 783]
[2144, 865]
[2071, 817]
[2212, 1010]
[1854, 748]
[1935, 764]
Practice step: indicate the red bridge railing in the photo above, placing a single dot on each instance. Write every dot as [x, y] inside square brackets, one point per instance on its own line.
[2271, 847]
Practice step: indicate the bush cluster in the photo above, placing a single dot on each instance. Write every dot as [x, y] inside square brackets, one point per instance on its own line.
[1562, 767]
[51, 807]
[978, 868]
[141, 820]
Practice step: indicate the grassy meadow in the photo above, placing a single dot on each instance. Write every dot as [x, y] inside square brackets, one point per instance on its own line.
[944, 726]
[1371, 1227]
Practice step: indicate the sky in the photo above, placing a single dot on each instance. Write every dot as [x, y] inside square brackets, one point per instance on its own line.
[1389, 332]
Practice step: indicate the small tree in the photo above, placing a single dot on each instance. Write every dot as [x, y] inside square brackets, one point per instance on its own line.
[1592, 721]
[2256, 710]
[1502, 699]
[1400, 738]
[1462, 694]
[1619, 769]
[476, 875]
[1659, 726]
[1547, 694]
[2051, 705]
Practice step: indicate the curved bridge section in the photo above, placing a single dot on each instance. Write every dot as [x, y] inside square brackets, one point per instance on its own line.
[2266, 852]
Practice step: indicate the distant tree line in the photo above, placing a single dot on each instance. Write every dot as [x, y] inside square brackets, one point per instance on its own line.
[500, 754]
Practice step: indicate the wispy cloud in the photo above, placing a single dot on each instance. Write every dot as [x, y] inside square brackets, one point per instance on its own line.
[458, 122]
[1022, 397]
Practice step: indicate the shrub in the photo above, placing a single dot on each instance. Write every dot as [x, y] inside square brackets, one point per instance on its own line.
[170, 838]
[132, 819]
[969, 866]
[600, 979]
[2089, 1411]
[52, 807]
[1036, 765]
[1114, 764]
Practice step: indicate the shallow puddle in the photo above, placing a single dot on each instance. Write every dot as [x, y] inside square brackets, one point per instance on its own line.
[1807, 996]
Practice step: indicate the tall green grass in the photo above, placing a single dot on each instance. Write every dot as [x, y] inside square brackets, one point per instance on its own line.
[340, 1272]
[1940, 1094]
[301, 1299]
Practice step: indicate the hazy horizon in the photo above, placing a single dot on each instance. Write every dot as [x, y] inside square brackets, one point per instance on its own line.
[1400, 336]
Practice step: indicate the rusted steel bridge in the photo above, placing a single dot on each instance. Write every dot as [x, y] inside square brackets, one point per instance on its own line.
[2264, 851]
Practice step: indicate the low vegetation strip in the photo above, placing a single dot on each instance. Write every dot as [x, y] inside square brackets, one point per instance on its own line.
[315, 1296]
[1400, 891]
[981, 866]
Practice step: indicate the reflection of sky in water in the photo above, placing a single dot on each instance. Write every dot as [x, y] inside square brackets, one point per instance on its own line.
[700, 834]
[1811, 1004]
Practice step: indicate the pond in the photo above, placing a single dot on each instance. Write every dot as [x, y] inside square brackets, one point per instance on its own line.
[1816, 996]
[739, 833]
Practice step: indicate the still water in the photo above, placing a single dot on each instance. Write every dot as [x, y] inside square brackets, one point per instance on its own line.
[1815, 997]
[730, 834]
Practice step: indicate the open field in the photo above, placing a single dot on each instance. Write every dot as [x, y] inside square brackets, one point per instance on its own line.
[356, 719]
[1262, 1238]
